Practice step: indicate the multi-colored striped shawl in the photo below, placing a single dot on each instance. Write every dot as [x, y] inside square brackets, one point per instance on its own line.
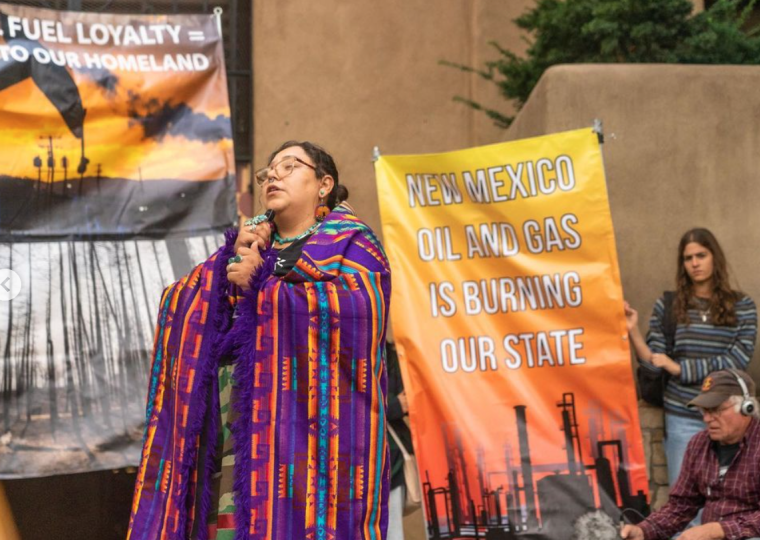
[310, 440]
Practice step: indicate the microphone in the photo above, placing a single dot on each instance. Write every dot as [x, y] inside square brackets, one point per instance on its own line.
[269, 214]
[270, 219]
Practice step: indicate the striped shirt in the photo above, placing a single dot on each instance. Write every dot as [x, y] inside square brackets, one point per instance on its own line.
[733, 501]
[701, 348]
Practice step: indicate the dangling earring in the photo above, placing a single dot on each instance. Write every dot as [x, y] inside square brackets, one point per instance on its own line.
[321, 211]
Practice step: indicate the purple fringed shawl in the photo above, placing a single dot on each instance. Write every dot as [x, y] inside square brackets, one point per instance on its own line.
[310, 446]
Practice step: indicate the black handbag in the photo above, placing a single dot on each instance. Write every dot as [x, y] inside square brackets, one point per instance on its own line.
[653, 380]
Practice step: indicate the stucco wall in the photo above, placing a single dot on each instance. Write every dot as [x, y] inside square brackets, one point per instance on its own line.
[682, 150]
[354, 75]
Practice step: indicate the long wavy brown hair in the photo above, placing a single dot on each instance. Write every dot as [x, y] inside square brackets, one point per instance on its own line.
[723, 298]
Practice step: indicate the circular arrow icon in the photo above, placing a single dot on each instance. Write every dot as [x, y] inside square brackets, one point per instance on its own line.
[10, 284]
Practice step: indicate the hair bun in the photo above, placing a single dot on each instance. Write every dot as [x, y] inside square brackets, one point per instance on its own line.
[341, 194]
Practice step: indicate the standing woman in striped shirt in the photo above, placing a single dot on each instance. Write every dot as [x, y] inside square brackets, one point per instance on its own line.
[716, 329]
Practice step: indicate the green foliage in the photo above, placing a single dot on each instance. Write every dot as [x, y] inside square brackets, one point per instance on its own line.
[617, 31]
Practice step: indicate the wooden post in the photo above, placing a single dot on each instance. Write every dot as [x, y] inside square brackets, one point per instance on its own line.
[8, 530]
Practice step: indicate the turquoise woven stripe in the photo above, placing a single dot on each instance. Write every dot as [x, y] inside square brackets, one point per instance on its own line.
[160, 474]
[157, 363]
[323, 427]
[381, 409]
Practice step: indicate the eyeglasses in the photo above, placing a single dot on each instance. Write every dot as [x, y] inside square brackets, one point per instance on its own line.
[715, 411]
[281, 169]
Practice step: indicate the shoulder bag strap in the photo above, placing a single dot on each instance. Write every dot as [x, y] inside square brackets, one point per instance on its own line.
[669, 323]
[401, 446]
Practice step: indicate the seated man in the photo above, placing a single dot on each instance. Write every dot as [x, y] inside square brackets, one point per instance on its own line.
[721, 468]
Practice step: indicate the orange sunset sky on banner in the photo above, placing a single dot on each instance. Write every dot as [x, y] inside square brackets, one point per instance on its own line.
[113, 139]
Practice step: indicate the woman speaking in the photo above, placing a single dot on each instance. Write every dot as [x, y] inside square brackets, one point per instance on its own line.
[265, 415]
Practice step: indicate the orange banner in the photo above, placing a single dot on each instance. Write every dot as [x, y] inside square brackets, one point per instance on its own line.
[508, 317]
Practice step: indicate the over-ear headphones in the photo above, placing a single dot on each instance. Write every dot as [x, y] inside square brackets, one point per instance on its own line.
[747, 406]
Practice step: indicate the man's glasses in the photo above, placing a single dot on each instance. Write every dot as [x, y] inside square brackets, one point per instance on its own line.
[715, 411]
[281, 169]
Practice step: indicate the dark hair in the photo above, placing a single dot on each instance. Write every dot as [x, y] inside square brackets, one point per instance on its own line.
[723, 298]
[324, 164]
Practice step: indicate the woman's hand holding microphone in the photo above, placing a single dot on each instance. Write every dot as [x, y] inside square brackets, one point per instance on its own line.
[251, 241]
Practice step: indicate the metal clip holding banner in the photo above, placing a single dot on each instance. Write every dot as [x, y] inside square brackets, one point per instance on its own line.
[218, 12]
[598, 129]
[375, 153]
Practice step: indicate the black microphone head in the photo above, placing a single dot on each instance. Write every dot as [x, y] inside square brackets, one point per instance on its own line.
[269, 214]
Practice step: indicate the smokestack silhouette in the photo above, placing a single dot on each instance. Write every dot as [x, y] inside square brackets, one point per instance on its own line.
[527, 467]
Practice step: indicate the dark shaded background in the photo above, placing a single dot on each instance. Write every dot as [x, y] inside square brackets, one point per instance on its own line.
[73, 507]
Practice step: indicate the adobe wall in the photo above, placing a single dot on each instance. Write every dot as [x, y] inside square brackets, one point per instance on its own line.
[681, 150]
[354, 75]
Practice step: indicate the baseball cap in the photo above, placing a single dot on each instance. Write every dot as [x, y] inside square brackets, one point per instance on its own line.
[719, 386]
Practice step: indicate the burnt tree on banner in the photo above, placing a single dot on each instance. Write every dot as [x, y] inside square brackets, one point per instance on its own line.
[96, 345]
[126, 355]
[111, 316]
[70, 405]
[7, 369]
[148, 314]
[24, 375]
[80, 336]
[533, 500]
[139, 336]
[98, 356]
[75, 347]
[50, 351]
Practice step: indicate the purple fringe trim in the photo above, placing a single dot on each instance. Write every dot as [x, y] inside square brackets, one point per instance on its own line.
[205, 503]
[221, 313]
[242, 340]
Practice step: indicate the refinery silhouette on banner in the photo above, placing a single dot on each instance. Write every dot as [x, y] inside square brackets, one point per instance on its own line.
[528, 498]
